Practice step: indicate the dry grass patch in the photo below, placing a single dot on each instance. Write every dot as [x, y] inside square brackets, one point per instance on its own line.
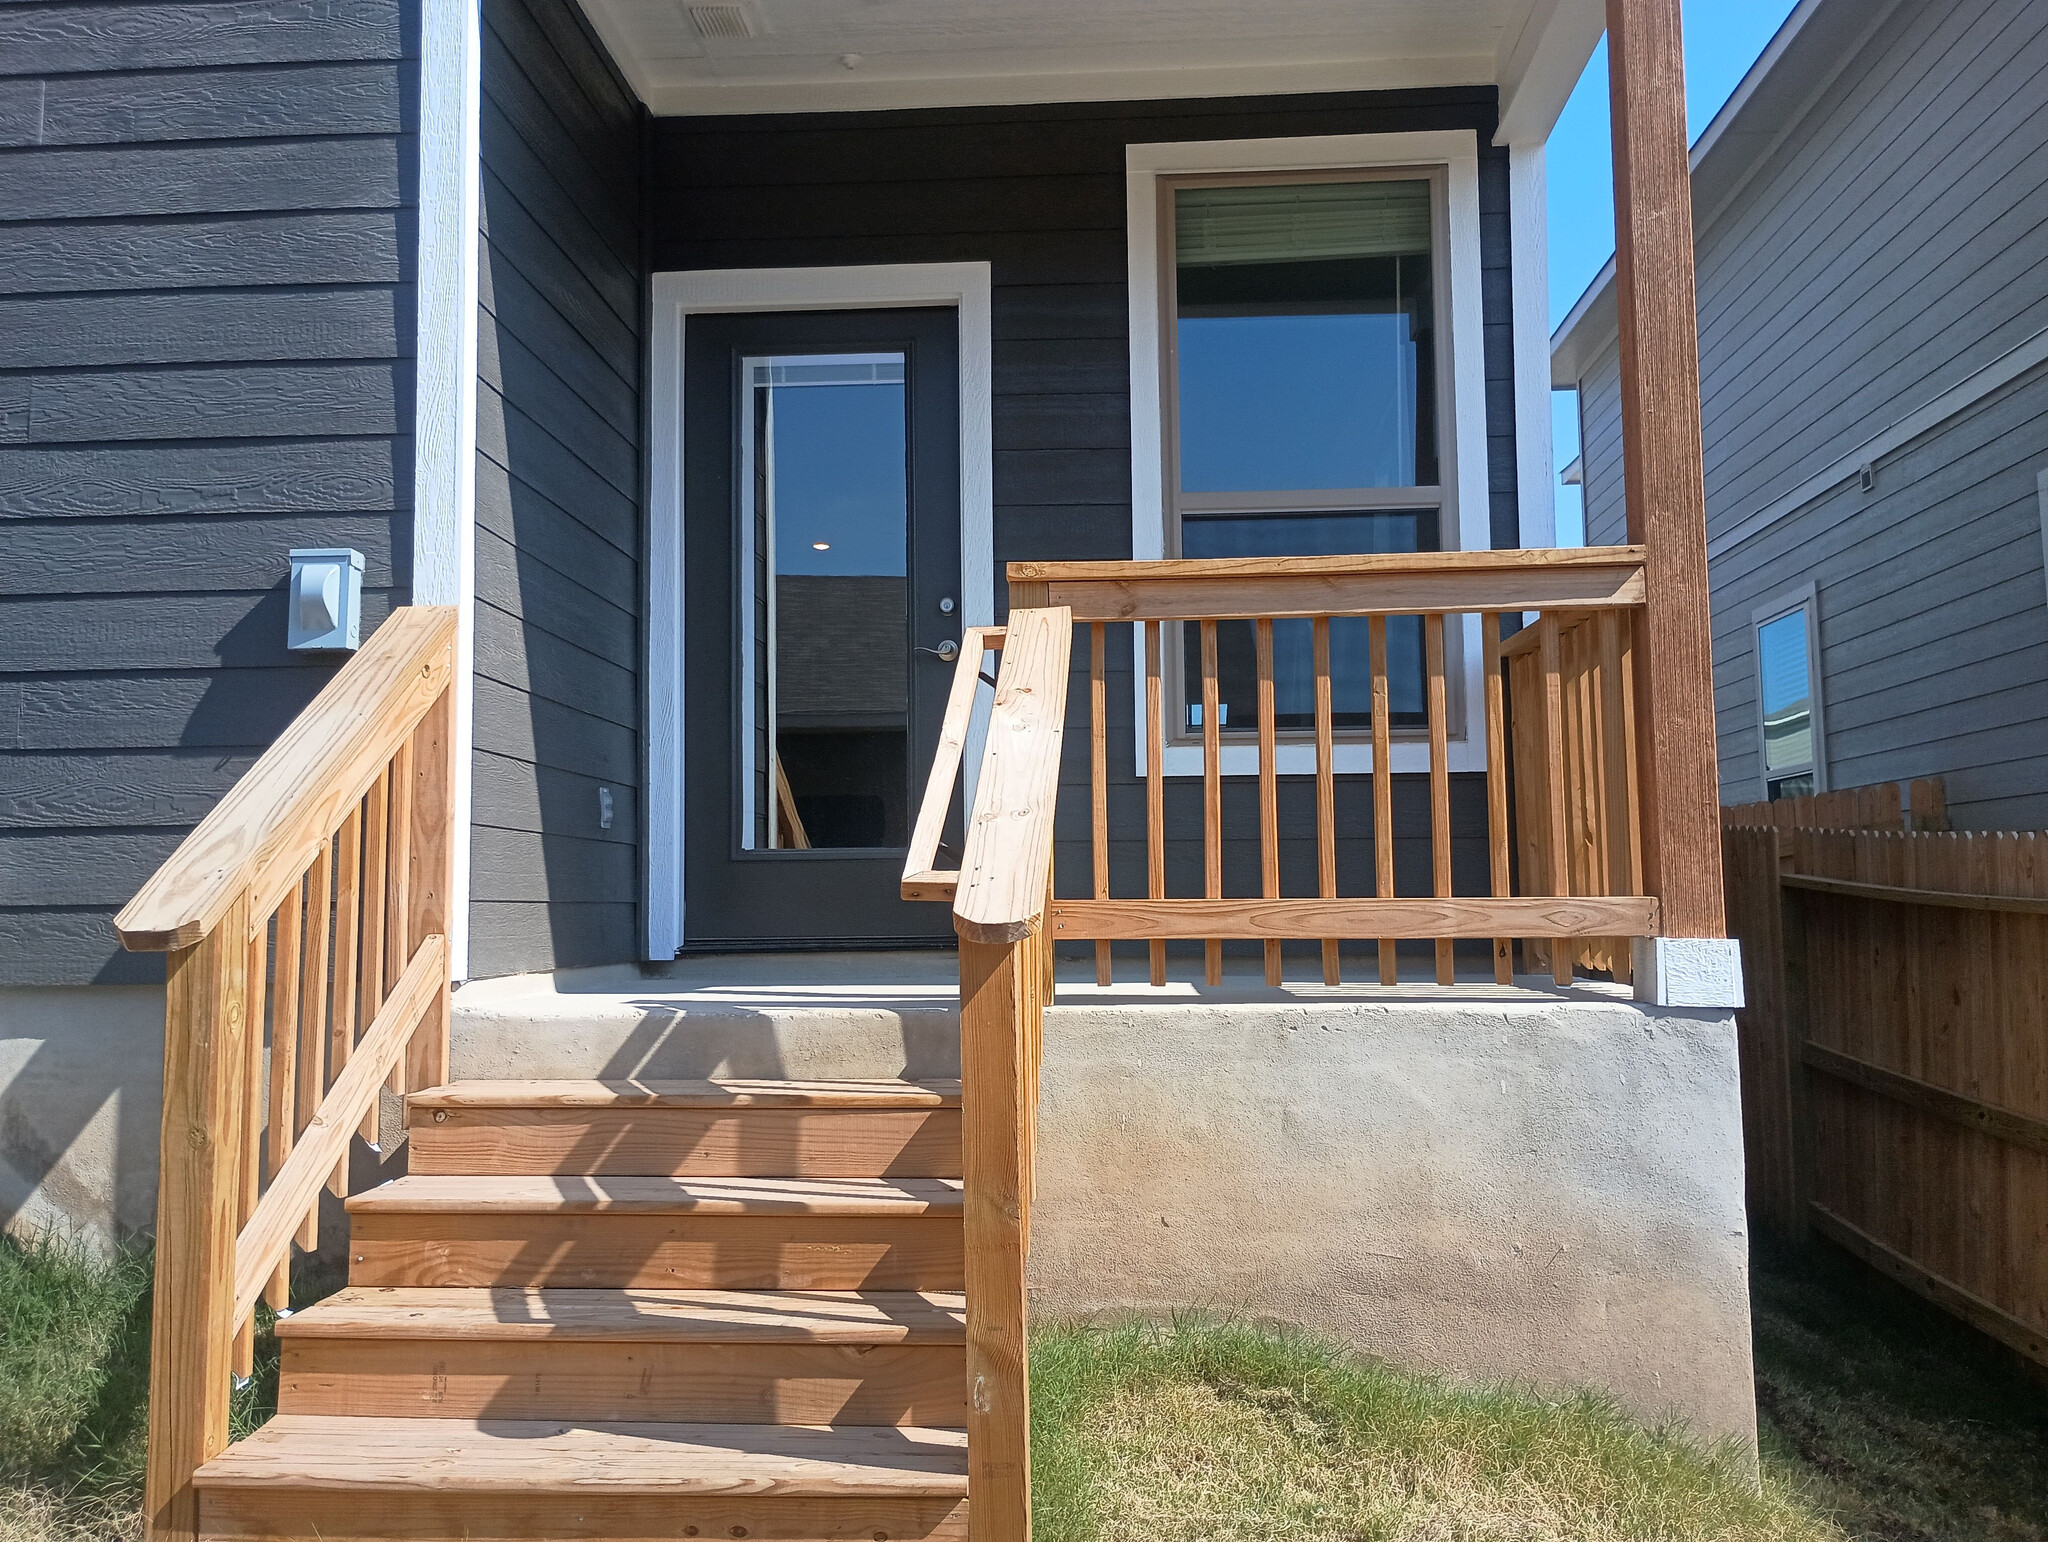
[1218, 1432]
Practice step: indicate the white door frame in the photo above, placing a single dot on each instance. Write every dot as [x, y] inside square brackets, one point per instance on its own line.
[963, 286]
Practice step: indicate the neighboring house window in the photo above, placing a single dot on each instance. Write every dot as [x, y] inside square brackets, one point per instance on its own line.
[1302, 394]
[1788, 696]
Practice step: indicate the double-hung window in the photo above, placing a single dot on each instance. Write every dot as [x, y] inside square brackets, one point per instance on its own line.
[1304, 388]
[1788, 696]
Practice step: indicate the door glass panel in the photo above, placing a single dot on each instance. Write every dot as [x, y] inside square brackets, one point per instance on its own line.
[1294, 703]
[1305, 336]
[824, 731]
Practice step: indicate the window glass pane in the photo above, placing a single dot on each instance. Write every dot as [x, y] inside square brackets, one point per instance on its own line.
[1305, 334]
[824, 463]
[1787, 692]
[1294, 703]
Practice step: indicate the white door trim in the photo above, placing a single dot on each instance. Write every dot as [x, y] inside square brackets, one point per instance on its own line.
[965, 286]
[1470, 527]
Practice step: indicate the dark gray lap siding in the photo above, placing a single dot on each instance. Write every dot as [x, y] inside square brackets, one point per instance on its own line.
[558, 500]
[1038, 193]
[206, 317]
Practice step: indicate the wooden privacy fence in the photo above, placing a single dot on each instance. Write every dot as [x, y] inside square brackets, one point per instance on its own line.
[311, 903]
[1879, 806]
[1895, 1055]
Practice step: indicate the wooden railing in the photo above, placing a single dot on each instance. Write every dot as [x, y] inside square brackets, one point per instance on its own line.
[1571, 781]
[313, 900]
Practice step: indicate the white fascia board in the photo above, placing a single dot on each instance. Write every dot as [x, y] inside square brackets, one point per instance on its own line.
[1539, 65]
[1594, 322]
[444, 455]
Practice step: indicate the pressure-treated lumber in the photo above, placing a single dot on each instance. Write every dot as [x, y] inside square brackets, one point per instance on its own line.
[921, 880]
[1662, 455]
[1573, 916]
[1008, 852]
[1326, 791]
[262, 835]
[998, 993]
[193, 1313]
[1439, 782]
[1899, 894]
[670, 1141]
[1971, 1113]
[1155, 787]
[625, 1379]
[1498, 871]
[1382, 789]
[295, 1185]
[1401, 583]
[641, 1316]
[1269, 789]
[578, 1194]
[932, 1092]
[432, 749]
[1098, 779]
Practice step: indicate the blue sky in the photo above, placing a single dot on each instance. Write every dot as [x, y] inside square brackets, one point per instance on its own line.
[1722, 40]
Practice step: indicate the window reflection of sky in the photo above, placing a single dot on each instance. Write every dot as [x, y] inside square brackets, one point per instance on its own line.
[1308, 401]
[1787, 685]
[840, 478]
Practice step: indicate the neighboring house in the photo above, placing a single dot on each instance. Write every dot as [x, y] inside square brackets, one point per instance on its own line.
[1872, 234]
[691, 380]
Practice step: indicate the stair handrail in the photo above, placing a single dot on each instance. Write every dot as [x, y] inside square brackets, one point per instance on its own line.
[318, 888]
[1000, 897]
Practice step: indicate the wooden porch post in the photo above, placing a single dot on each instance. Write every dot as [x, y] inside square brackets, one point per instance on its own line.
[1661, 443]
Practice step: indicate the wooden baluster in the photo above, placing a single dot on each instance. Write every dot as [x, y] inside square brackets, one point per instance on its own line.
[430, 756]
[376, 883]
[250, 1174]
[1098, 776]
[284, 1061]
[1155, 790]
[1561, 948]
[1212, 797]
[996, 983]
[1269, 793]
[192, 1314]
[1439, 785]
[348, 901]
[313, 1013]
[1326, 791]
[1383, 789]
[1624, 826]
[398, 884]
[1497, 790]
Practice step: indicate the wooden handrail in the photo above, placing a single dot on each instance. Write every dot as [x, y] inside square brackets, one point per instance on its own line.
[263, 833]
[921, 881]
[1007, 862]
[314, 897]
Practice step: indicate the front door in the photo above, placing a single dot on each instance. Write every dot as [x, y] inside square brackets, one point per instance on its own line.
[821, 560]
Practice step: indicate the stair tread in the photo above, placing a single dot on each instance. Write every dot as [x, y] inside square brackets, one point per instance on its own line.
[686, 1316]
[690, 1094]
[540, 1457]
[530, 1195]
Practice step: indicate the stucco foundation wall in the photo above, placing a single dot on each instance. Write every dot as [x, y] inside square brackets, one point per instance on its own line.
[81, 1090]
[1550, 1191]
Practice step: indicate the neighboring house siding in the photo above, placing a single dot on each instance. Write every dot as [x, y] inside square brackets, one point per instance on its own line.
[206, 316]
[1600, 451]
[1038, 192]
[1890, 248]
[558, 500]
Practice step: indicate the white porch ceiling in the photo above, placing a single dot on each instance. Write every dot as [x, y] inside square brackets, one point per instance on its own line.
[832, 55]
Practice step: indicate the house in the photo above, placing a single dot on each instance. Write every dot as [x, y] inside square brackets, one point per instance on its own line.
[1874, 372]
[709, 392]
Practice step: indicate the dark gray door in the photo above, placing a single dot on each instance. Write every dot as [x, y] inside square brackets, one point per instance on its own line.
[821, 559]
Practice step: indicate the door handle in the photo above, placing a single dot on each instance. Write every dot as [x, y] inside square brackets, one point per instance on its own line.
[945, 652]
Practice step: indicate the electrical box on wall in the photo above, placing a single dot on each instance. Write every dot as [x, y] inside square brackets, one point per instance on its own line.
[325, 614]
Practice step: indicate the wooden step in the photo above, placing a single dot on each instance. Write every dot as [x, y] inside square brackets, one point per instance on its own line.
[603, 1355]
[688, 1128]
[302, 1478]
[676, 1233]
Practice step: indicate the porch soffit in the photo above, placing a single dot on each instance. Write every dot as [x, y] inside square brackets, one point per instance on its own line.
[758, 56]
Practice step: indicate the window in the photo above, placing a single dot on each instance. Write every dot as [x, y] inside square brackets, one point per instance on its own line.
[1788, 697]
[1303, 397]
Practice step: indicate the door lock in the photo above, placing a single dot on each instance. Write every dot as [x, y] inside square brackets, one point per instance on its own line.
[945, 652]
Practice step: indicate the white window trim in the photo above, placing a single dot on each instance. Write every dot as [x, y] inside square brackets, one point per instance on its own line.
[1467, 520]
[963, 286]
[1806, 597]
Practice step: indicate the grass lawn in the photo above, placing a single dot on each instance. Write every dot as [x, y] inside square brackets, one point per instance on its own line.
[1882, 1422]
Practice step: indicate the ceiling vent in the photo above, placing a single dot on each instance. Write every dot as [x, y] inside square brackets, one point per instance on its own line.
[720, 21]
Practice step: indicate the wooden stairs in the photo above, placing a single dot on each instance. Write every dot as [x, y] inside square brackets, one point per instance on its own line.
[632, 1311]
